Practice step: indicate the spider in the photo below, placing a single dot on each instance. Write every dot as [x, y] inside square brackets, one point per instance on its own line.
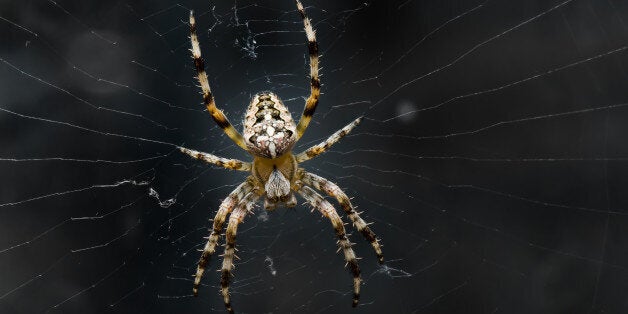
[269, 135]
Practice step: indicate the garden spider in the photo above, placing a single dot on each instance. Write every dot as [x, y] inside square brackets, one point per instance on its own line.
[269, 135]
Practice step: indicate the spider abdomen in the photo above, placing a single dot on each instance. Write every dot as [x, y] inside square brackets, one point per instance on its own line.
[269, 130]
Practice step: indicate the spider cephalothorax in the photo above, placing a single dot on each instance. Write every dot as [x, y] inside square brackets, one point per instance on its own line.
[269, 135]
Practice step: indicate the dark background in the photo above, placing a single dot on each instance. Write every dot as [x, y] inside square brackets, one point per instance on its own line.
[499, 189]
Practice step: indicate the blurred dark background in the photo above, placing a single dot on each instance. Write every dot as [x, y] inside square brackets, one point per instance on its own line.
[492, 161]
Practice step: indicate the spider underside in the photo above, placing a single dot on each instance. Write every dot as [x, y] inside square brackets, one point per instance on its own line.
[269, 135]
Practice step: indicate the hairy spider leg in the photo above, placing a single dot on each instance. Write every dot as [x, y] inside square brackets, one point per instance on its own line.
[334, 191]
[315, 83]
[226, 207]
[218, 116]
[233, 164]
[325, 145]
[232, 228]
[325, 208]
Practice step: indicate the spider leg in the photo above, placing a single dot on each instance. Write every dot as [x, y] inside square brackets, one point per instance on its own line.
[325, 145]
[233, 164]
[315, 83]
[208, 98]
[236, 197]
[334, 191]
[232, 228]
[323, 206]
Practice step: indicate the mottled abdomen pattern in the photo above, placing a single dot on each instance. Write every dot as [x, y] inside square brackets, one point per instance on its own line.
[269, 130]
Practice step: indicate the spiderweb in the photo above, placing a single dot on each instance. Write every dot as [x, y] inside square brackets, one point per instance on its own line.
[492, 158]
